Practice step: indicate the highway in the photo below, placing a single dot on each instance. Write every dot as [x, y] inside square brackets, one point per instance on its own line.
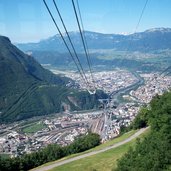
[59, 163]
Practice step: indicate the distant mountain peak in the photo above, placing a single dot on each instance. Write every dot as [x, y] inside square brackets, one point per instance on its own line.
[161, 29]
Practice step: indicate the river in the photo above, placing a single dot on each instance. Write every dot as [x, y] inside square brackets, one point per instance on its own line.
[117, 95]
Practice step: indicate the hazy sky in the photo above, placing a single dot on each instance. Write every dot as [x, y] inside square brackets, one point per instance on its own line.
[28, 20]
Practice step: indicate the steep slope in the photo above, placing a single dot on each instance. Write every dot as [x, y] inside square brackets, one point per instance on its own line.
[149, 40]
[156, 147]
[27, 89]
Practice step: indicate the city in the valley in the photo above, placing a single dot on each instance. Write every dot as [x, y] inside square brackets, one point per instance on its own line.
[127, 91]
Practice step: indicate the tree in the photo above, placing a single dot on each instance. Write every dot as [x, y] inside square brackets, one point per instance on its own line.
[141, 120]
[153, 153]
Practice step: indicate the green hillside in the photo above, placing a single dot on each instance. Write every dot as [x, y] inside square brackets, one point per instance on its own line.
[154, 152]
[104, 161]
[27, 89]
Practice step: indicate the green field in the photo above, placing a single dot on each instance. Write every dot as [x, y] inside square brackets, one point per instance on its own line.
[105, 161]
[115, 140]
[32, 128]
[99, 162]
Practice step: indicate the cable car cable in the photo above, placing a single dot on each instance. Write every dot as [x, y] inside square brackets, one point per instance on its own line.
[65, 42]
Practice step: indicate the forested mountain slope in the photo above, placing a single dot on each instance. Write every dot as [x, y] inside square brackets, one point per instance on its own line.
[27, 89]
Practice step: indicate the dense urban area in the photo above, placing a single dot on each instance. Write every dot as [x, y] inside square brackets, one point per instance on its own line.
[131, 90]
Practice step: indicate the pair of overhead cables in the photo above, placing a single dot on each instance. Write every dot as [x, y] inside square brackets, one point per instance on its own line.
[74, 58]
[83, 37]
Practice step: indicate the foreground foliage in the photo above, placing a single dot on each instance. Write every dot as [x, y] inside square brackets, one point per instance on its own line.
[50, 153]
[154, 152]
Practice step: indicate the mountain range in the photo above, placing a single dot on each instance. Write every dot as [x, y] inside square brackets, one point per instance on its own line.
[144, 51]
[27, 89]
[149, 40]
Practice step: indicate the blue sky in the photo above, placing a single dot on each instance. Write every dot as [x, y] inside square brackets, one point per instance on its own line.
[28, 20]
